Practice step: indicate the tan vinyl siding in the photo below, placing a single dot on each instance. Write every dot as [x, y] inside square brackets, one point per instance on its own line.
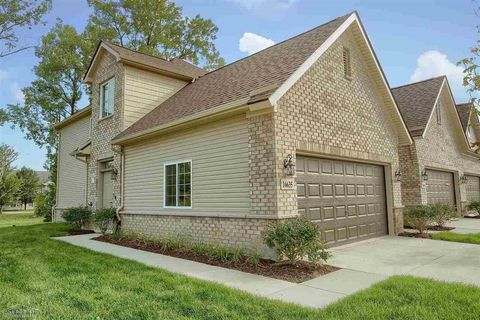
[145, 90]
[72, 173]
[219, 155]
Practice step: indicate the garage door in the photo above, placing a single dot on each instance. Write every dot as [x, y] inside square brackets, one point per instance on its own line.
[473, 188]
[345, 199]
[440, 187]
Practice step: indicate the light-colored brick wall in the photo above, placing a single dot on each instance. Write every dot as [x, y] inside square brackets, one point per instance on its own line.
[103, 130]
[327, 114]
[228, 232]
[440, 148]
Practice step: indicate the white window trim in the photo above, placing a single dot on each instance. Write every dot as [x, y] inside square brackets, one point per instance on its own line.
[101, 98]
[176, 162]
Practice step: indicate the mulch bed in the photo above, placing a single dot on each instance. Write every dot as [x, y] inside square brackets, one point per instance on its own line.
[416, 235]
[299, 272]
[472, 217]
[79, 232]
[435, 228]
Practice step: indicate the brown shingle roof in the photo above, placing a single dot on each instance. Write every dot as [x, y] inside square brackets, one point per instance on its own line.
[464, 110]
[416, 102]
[177, 66]
[271, 66]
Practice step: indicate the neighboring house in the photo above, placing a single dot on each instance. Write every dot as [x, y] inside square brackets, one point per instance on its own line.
[44, 182]
[436, 167]
[308, 126]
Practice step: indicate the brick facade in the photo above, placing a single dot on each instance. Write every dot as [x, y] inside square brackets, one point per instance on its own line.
[103, 130]
[326, 114]
[440, 148]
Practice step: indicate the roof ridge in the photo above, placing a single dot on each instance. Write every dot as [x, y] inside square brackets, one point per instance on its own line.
[136, 51]
[279, 43]
[418, 82]
[464, 104]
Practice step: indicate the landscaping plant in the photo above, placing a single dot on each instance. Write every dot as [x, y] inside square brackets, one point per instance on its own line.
[104, 219]
[474, 206]
[419, 217]
[296, 239]
[443, 213]
[77, 217]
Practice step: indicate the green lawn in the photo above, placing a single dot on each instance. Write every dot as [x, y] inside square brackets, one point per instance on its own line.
[458, 237]
[41, 278]
[19, 218]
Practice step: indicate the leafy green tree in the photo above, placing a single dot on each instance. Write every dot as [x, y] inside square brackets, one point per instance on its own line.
[156, 27]
[17, 14]
[29, 185]
[9, 183]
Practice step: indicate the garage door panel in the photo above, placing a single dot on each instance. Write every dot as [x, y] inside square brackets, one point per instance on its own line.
[345, 199]
[440, 187]
[473, 188]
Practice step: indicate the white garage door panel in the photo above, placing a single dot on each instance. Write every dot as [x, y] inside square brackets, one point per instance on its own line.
[473, 188]
[440, 187]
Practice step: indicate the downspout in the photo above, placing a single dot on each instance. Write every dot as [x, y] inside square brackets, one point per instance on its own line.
[120, 207]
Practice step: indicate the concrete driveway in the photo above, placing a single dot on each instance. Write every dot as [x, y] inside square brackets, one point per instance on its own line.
[387, 256]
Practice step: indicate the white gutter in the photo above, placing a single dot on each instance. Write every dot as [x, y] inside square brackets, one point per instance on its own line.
[122, 172]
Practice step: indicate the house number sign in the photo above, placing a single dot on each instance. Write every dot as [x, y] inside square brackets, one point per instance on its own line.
[288, 184]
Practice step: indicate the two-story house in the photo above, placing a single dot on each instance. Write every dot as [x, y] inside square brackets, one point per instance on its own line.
[307, 127]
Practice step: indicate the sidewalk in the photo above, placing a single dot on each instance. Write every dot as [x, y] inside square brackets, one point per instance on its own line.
[316, 293]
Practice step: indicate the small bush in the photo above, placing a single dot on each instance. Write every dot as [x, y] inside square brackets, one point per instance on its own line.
[104, 219]
[474, 206]
[40, 206]
[419, 217]
[296, 239]
[443, 213]
[77, 217]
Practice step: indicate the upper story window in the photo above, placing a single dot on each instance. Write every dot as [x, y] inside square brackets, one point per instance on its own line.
[107, 98]
[347, 63]
[438, 110]
[470, 133]
[177, 189]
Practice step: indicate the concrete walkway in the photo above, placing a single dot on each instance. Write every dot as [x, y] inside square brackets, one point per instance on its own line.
[464, 225]
[363, 264]
[315, 293]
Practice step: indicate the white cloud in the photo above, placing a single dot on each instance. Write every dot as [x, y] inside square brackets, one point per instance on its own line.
[254, 5]
[16, 92]
[251, 43]
[434, 63]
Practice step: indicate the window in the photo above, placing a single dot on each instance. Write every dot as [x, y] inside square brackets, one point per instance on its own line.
[438, 110]
[107, 98]
[347, 65]
[470, 133]
[178, 184]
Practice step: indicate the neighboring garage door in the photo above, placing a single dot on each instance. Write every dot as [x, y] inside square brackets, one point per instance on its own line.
[473, 188]
[345, 199]
[440, 187]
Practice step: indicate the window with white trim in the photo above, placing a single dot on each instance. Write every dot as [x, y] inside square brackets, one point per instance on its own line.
[107, 98]
[178, 184]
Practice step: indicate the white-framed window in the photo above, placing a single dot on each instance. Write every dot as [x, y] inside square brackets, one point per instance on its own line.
[177, 184]
[470, 134]
[107, 98]
[438, 109]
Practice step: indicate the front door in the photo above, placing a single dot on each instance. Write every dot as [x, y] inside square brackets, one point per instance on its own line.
[106, 185]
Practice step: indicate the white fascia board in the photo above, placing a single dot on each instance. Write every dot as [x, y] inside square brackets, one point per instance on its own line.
[310, 61]
[433, 108]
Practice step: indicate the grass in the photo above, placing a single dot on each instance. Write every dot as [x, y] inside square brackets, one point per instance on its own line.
[19, 218]
[473, 238]
[41, 278]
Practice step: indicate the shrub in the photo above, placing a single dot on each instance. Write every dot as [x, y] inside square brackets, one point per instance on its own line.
[104, 219]
[443, 213]
[419, 217]
[296, 239]
[40, 206]
[474, 206]
[77, 217]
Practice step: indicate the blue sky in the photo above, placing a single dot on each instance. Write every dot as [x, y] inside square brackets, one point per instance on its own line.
[413, 40]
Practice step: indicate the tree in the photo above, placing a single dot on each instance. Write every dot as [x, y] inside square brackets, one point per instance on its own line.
[16, 14]
[9, 183]
[29, 185]
[155, 27]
